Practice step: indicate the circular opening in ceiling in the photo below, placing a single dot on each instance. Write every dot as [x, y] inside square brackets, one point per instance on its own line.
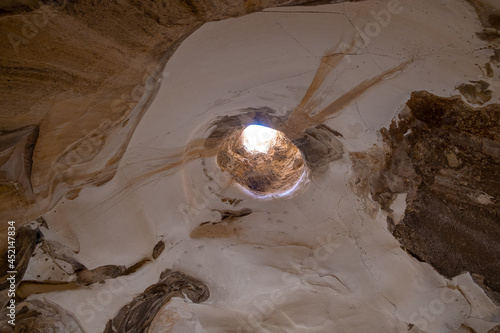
[259, 139]
[262, 160]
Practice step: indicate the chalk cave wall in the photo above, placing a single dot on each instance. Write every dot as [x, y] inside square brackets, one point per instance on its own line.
[85, 86]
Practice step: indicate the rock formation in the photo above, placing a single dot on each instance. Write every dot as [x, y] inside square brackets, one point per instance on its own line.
[137, 206]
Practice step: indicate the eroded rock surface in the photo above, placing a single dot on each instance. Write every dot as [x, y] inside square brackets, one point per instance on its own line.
[80, 72]
[144, 172]
[42, 316]
[138, 314]
[274, 171]
[445, 155]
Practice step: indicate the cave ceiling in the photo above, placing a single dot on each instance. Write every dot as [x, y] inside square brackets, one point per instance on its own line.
[139, 206]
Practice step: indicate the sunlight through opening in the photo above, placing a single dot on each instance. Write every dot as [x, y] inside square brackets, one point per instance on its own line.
[257, 138]
[263, 161]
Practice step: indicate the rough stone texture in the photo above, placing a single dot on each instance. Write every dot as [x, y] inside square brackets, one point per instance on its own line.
[100, 274]
[76, 70]
[158, 249]
[319, 146]
[490, 19]
[41, 316]
[445, 155]
[16, 149]
[358, 262]
[83, 73]
[281, 169]
[495, 329]
[476, 92]
[227, 226]
[58, 267]
[138, 314]
[273, 172]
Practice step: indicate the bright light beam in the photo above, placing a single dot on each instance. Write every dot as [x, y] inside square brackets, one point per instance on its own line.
[257, 138]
